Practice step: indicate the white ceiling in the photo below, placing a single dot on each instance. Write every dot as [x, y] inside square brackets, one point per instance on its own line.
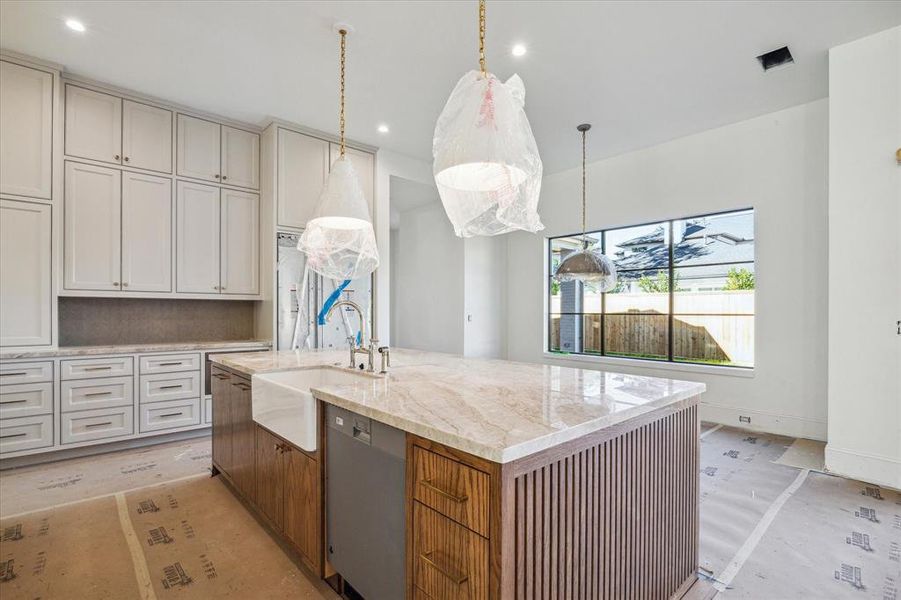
[641, 72]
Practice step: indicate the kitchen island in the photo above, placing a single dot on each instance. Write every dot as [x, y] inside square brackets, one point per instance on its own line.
[522, 480]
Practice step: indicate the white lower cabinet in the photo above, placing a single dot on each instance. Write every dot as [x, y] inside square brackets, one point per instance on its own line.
[88, 368]
[26, 289]
[146, 233]
[90, 425]
[26, 400]
[208, 410]
[25, 433]
[169, 386]
[170, 415]
[89, 394]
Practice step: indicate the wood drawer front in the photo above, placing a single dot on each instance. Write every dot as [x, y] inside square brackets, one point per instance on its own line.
[452, 488]
[170, 415]
[449, 560]
[88, 425]
[169, 363]
[90, 394]
[169, 386]
[89, 368]
[26, 400]
[25, 433]
[34, 372]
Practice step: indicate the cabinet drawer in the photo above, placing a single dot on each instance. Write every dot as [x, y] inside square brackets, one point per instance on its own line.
[169, 363]
[169, 386]
[452, 488]
[449, 561]
[89, 394]
[170, 415]
[25, 433]
[26, 400]
[32, 372]
[99, 424]
[89, 368]
[207, 410]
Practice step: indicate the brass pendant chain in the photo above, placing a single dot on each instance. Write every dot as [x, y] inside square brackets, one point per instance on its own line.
[482, 38]
[343, 33]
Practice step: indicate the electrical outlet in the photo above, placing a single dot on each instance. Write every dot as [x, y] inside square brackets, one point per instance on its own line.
[744, 419]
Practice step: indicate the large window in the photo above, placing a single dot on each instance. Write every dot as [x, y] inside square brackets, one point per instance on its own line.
[685, 293]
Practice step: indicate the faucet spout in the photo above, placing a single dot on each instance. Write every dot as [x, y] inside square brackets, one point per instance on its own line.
[355, 348]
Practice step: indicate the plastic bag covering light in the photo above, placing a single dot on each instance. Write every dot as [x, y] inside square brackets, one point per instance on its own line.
[487, 166]
[339, 241]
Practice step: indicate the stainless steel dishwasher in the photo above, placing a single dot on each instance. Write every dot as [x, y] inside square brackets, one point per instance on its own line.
[365, 503]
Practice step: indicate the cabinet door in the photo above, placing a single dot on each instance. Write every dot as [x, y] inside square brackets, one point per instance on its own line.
[269, 476]
[301, 514]
[222, 419]
[240, 158]
[303, 163]
[197, 238]
[363, 163]
[93, 125]
[146, 233]
[146, 137]
[240, 243]
[25, 274]
[92, 227]
[197, 148]
[26, 120]
[243, 437]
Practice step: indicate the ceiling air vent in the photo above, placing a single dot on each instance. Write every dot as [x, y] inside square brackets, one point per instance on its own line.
[776, 58]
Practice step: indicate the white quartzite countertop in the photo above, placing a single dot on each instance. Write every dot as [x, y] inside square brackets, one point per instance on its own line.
[136, 348]
[498, 410]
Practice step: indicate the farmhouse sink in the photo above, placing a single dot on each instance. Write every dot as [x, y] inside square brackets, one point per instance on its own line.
[282, 402]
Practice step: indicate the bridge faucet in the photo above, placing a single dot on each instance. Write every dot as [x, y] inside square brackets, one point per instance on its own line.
[352, 340]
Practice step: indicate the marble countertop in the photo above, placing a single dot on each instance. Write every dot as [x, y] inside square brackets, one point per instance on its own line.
[498, 410]
[137, 348]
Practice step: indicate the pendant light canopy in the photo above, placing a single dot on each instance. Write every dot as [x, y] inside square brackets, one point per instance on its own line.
[487, 166]
[587, 265]
[339, 241]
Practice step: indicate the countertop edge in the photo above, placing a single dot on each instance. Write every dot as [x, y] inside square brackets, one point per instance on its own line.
[103, 350]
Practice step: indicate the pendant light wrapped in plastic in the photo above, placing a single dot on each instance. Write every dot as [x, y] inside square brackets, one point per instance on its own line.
[589, 266]
[487, 166]
[339, 241]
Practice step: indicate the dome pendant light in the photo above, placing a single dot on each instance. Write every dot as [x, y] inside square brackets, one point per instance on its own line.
[587, 265]
[487, 166]
[339, 241]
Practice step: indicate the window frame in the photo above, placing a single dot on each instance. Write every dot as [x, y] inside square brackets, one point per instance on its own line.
[670, 360]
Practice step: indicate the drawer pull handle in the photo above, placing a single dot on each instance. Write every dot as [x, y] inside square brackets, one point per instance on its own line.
[12, 401]
[13, 374]
[220, 376]
[12, 435]
[427, 483]
[98, 424]
[178, 414]
[170, 364]
[170, 387]
[106, 393]
[242, 386]
[106, 368]
[458, 579]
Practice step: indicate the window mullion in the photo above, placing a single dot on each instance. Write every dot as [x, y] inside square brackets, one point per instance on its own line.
[671, 332]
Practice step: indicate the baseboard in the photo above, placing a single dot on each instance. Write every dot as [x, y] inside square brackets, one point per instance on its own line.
[870, 468]
[766, 422]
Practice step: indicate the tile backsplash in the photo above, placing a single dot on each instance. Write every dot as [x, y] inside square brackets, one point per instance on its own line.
[102, 321]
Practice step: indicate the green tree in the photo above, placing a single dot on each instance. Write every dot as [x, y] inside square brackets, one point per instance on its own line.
[659, 284]
[739, 279]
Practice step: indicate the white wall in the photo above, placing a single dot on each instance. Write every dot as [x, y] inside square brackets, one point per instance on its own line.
[427, 308]
[777, 165]
[865, 258]
[484, 283]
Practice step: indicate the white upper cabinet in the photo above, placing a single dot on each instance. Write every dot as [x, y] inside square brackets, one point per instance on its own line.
[303, 163]
[240, 242]
[240, 158]
[146, 233]
[146, 137]
[26, 294]
[93, 125]
[197, 238]
[92, 227]
[26, 122]
[197, 149]
[363, 163]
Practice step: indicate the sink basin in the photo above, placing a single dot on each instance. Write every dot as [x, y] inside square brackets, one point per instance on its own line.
[282, 402]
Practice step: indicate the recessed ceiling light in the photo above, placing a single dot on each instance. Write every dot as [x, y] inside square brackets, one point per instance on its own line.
[383, 128]
[519, 50]
[75, 25]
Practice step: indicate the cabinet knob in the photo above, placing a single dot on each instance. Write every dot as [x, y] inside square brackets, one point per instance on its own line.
[116, 157]
[224, 177]
[216, 176]
[124, 284]
[116, 283]
[221, 287]
[215, 287]
[126, 159]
